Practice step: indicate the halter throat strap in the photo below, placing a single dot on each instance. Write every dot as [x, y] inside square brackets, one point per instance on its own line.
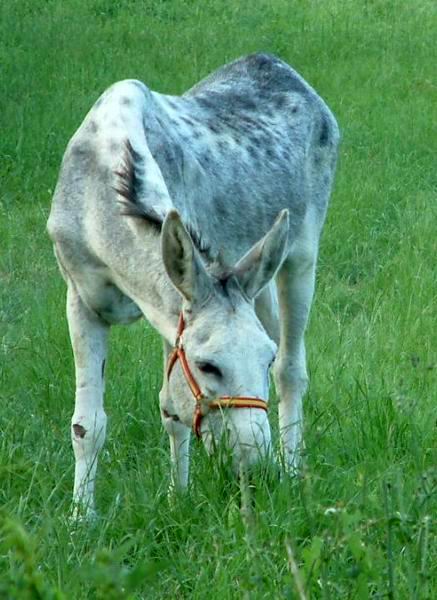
[178, 353]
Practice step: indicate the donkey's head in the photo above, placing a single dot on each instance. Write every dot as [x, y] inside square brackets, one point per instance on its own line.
[223, 354]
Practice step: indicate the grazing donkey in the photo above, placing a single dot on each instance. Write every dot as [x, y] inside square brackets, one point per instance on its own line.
[201, 212]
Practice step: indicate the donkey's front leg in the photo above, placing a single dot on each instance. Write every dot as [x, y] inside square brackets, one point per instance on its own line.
[295, 283]
[179, 436]
[88, 425]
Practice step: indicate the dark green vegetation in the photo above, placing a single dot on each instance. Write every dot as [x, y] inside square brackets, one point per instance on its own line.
[358, 522]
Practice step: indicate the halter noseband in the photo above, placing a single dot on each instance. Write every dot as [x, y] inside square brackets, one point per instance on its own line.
[221, 402]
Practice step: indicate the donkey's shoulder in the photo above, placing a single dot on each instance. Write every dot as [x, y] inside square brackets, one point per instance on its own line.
[96, 151]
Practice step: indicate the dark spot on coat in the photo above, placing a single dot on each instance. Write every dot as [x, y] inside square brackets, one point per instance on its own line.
[93, 127]
[324, 132]
[169, 154]
[280, 100]
[223, 145]
[103, 368]
[247, 122]
[255, 139]
[230, 121]
[242, 102]
[205, 159]
[125, 101]
[286, 155]
[187, 120]
[270, 153]
[252, 151]
[206, 102]
[79, 430]
[220, 206]
[82, 148]
[213, 127]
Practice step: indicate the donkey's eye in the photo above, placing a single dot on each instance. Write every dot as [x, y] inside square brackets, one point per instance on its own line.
[209, 369]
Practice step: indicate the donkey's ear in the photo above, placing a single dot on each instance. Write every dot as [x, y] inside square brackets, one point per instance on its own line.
[182, 261]
[262, 262]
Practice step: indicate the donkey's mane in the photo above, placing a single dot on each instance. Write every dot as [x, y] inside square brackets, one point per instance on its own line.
[130, 186]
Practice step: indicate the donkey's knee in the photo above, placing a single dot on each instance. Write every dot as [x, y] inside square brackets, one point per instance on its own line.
[291, 377]
[88, 431]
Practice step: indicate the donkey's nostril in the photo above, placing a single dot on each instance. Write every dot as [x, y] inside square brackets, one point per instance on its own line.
[167, 415]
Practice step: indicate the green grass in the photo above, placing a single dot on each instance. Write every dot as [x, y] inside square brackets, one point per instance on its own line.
[358, 523]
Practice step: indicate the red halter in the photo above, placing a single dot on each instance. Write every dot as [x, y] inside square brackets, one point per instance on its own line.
[221, 402]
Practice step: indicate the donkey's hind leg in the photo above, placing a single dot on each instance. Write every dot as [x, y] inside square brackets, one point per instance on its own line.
[88, 334]
[295, 283]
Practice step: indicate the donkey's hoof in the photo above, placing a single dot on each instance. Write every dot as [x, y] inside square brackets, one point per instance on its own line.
[291, 466]
[82, 516]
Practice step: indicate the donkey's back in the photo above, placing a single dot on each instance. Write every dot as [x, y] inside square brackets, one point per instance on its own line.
[247, 141]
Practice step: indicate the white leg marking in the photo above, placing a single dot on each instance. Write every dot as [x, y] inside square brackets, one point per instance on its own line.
[88, 425]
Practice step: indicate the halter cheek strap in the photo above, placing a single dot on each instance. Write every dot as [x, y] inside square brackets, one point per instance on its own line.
[178, 353]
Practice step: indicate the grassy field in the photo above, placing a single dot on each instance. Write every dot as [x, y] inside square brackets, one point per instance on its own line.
[358, 522]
